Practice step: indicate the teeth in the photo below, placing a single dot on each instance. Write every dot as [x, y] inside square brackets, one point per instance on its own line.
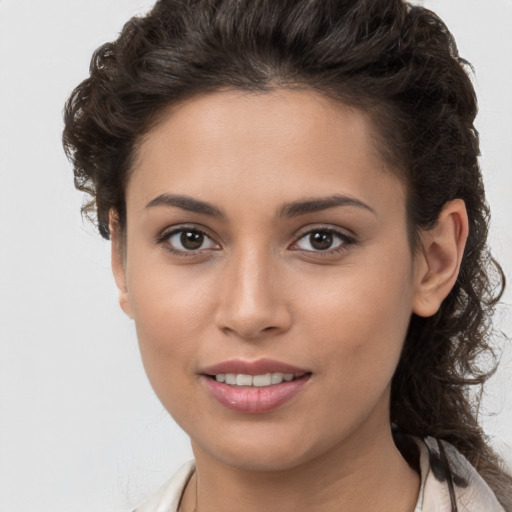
[276, 378]
[267, 379]
[262, 380]
[243, 380]
[230, 378]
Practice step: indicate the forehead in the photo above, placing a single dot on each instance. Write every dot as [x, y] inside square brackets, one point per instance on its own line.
[284, 143]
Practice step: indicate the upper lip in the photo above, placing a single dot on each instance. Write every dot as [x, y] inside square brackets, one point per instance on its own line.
[258, 367]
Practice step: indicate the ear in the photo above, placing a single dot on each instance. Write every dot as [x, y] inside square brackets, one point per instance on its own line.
[118, 261]
[439, 258]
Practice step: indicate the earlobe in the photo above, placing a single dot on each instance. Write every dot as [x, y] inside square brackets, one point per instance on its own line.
[118, 262]
[438, 261]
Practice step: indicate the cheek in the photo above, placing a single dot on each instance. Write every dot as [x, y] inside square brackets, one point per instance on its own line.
[167, 300]
[168, 330]
[360, 321]
[169, 308]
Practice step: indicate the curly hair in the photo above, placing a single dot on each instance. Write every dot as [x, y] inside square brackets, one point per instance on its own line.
[397, 62]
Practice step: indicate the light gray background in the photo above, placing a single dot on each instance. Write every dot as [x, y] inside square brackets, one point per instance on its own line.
[80, 429]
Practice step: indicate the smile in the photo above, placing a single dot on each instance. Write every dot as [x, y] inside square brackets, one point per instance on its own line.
[256, 386]
[267, 379]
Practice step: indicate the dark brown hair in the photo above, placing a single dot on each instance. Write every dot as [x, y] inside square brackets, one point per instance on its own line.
[397, 62]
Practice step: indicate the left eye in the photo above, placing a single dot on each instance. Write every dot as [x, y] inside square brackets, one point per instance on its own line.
[185, 240]
[321, 240]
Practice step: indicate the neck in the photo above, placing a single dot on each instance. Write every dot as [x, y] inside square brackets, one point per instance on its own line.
[369, 475]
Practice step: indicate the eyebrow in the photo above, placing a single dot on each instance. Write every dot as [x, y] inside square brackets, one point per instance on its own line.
[186, 203]
[313, 205]
[294, 209]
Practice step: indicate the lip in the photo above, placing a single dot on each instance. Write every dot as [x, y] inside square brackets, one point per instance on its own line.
[258, 367]
[254, 400]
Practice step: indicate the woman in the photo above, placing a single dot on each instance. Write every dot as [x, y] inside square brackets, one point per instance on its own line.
[298, 229]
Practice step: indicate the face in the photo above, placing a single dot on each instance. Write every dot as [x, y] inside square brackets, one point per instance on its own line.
[266, 241]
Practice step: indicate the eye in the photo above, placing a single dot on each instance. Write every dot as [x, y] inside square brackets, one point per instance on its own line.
[189, 240]
[323, 240]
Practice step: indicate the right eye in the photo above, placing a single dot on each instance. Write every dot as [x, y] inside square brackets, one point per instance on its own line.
[188, 240]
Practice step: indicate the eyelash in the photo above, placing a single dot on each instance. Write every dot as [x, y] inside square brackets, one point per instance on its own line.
[345, 241]
[165, 237]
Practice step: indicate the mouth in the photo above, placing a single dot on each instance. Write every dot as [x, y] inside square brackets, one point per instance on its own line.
[262, 380]
[254, 386]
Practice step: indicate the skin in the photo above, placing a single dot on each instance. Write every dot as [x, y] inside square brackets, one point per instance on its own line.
[257, 288]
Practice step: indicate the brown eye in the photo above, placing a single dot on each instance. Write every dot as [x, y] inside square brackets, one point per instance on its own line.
[191, 240]
[188, 240]
[323, 240]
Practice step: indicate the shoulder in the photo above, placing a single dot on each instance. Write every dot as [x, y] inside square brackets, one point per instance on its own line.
[168, 497]
[448, 478]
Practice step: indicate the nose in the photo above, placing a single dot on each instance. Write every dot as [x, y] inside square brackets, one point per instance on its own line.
[252, 302]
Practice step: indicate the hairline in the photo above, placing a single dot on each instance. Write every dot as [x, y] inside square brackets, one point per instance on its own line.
[384, 152]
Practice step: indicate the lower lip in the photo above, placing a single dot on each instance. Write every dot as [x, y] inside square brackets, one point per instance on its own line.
[252, 399]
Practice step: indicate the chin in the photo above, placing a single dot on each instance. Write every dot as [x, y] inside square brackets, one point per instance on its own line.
[263, 459]
[267, 452]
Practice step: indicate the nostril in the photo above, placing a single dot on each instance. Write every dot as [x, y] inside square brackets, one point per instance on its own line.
[251, 332]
